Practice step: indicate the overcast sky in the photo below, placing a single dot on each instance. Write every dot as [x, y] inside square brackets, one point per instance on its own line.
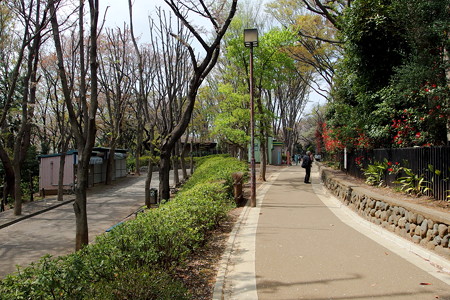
[118, 14]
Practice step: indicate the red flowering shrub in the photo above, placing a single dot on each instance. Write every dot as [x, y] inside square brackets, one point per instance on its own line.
[362, 141]
[422, 126]
[331, 139]
[336, 139]
[408, 129]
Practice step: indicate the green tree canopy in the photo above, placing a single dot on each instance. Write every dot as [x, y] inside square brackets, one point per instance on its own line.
[391, 84]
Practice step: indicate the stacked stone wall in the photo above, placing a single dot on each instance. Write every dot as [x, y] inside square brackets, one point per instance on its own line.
[421, 225]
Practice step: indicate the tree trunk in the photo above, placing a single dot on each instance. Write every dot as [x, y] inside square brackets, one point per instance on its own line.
[148, 182]
[4, 196]
[191, 156]
[79, 206]
[263, 155]
[164, 176]
[176, 177]
[31, 188]
[447, 76]
[262, 139]
[110, 164]
[17, 190]
[85, 131]
[183, 166]
[8, 189]
[139, 141]
[62, 163]
[182, 158]
[22, 140]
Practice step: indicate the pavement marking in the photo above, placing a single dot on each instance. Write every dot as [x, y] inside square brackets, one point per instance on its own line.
[236, 278]
[435, 265]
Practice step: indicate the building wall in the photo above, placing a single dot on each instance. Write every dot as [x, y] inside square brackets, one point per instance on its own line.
[276, 155]
[121, 168]
[49, 172]
[49, 169]
[269, 148]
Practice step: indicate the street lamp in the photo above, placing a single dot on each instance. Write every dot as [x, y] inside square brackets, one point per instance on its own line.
[251, 40]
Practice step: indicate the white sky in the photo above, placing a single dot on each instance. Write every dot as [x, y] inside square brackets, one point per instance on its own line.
[118, 14]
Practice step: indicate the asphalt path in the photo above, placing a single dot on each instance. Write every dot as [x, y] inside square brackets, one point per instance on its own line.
[301, 243]
[53, 232]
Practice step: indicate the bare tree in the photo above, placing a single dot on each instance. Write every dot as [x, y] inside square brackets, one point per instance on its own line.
[291, 96]
[144, 78]
[141, 105]
[172, 71]
[309, 129]
[116, 68]
[201, 68]
[7, 48]
[53, 118]
[34, 19]
[83, 128]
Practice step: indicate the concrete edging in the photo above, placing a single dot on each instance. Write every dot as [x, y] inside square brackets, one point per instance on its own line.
[421, 225]
[35, 213]
[246, 225]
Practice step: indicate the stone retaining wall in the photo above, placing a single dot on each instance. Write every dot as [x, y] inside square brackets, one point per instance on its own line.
[421, 225]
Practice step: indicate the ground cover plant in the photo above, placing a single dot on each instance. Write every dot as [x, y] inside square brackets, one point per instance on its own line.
[138, 258]
[375, 173]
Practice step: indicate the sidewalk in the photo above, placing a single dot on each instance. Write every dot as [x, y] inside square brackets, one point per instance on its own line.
[301, 243]
[32, 209]
[51, 230]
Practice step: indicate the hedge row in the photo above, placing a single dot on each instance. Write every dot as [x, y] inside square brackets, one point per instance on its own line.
[216, 168]
[136, 260]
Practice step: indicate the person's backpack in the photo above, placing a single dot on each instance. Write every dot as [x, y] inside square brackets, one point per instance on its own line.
[305, 161]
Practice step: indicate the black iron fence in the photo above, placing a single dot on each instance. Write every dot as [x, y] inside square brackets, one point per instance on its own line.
[433, 163]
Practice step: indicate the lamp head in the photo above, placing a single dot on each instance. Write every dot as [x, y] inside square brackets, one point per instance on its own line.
[251, 37]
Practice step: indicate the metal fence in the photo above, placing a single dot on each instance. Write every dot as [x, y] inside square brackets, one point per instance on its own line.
[418, 160]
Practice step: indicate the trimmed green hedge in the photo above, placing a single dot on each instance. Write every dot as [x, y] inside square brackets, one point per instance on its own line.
[136, 260]
[216, 168]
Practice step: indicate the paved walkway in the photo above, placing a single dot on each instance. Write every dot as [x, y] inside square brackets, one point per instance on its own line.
[48, 226]
[301, 243]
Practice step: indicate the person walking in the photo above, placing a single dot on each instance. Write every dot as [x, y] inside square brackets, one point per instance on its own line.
[307, 164]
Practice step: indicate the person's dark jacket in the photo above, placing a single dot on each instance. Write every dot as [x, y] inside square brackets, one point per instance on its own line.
[307, 161]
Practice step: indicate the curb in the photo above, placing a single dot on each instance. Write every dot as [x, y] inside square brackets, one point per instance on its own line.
[427, 256]
[220, 292]
[219, 286]
[24, 217]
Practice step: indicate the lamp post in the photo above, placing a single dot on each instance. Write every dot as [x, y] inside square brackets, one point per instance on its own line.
[251, 40]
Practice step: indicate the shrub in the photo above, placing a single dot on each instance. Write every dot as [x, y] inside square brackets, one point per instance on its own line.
[131, 163]
[216, 168]
[412, 183]
[139, 283]
[375, 173]
[136, 260]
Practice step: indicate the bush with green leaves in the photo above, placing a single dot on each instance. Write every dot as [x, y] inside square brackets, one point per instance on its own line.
[216, 169]
[412, 183]
[137, 259]
[375, 173]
